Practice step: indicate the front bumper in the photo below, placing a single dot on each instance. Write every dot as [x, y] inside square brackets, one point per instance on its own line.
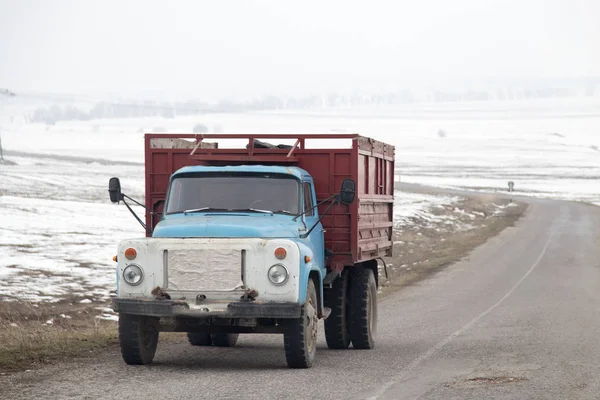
[175, 308]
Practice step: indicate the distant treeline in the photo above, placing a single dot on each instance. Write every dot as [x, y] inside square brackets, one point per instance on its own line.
[107, 110]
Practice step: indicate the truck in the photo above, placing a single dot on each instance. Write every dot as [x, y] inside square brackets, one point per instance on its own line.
[256, 237]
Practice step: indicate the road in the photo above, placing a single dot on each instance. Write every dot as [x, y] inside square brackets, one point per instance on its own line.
[518, 319]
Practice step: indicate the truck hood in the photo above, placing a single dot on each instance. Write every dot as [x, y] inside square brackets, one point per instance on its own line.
[228, 226]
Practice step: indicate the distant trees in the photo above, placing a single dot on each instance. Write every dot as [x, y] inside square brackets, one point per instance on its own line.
[105, 110]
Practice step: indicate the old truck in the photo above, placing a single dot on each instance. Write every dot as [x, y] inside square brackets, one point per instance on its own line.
[256, 238]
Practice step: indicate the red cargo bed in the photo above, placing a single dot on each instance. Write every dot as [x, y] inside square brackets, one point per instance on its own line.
[355, 233]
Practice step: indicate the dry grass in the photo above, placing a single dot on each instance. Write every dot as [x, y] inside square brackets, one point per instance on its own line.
[28, 340]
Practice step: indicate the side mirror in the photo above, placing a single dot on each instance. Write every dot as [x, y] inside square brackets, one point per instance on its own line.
[114, 190]
[347, 192]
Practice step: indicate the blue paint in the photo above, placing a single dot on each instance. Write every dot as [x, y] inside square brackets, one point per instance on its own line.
[227, 225]
[307, 249]
[253, 225]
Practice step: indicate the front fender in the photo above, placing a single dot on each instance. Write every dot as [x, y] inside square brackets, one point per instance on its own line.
[305, 276]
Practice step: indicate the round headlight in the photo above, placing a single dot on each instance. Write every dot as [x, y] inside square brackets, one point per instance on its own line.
[133, 275]
[278, 274]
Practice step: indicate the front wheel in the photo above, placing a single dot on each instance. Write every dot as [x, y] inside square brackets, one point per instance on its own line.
[138, 338]
[363, 308]
[300, 335]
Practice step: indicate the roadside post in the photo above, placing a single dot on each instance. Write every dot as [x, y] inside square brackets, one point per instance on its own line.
[511, 187]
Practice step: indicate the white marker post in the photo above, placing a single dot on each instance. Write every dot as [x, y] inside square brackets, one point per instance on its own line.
[511, 187]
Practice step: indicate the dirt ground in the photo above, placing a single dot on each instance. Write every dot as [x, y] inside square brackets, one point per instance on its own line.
[32, 334]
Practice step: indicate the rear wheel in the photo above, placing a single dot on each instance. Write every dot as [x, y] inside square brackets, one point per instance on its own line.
[138, 338]
[363, 308]
[224, 339]
[300, 335]
[336, 325]
[199, 338]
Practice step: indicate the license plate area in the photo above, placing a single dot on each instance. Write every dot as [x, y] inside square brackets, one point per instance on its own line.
[203, 269]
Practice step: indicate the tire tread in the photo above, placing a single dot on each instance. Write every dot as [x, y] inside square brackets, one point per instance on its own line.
[336, 325]
[129, 341]
[362, 281]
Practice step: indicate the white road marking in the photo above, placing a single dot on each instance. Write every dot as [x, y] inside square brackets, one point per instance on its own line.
[423, 357]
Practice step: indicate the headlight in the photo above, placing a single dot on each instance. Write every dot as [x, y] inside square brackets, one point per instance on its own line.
[133, 274]
[278, 274]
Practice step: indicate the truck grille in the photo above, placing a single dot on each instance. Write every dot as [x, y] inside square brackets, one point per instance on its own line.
[203, 269]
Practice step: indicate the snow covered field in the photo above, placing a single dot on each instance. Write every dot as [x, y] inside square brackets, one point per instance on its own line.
[58, 230]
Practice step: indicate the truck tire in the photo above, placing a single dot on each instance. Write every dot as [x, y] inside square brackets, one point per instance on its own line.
[224, 339]
[138, 338]
[336, 325]
[363, 308]
[300, 334]
[199, 338]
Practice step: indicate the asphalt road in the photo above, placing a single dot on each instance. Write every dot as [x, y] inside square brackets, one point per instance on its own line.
[518, 319]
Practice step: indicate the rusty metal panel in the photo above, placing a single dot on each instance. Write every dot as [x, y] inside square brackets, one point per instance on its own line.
[375, 228]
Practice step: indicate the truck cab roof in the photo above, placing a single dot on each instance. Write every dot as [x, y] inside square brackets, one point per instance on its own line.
[258, 169]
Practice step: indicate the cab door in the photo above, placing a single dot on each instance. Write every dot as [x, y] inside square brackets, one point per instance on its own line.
[316, 239]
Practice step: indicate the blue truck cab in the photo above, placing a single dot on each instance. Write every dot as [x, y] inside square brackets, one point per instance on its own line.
[250, 202]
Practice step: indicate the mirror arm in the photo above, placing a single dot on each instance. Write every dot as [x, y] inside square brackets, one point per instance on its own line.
[136, 202]
[305, 235]
[135, 215]
[315, 206]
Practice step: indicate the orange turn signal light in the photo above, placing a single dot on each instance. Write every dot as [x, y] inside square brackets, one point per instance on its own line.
[130, 253]
[280, 253]
[115, 258]
[307, 259]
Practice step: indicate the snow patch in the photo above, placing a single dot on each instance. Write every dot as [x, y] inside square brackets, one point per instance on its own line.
[108, 317]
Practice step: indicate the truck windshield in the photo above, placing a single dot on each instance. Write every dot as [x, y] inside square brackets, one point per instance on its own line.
[274, 193]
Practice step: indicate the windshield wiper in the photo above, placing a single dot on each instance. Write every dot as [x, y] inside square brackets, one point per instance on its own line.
[193, 210]
[253, 210]
[285, 212]
[257, 210]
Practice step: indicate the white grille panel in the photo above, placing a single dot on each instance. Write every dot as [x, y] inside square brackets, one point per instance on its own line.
[204, 269]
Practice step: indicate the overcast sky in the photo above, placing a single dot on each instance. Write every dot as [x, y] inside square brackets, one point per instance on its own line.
[240, 48]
